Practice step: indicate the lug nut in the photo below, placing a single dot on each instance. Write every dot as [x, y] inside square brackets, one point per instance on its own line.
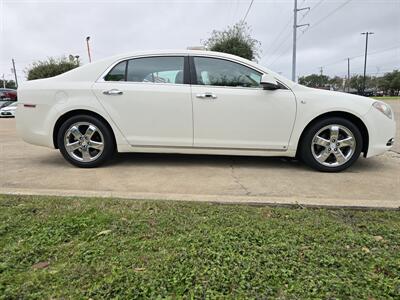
[335, 149]
[337, 144]
[329, 149]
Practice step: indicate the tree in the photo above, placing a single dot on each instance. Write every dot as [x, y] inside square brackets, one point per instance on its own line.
[390, 83]
[10, 84]
[314, 80]
[51, 67]
[395, 83]
[235, 40]
[337, 83]
[356, 82]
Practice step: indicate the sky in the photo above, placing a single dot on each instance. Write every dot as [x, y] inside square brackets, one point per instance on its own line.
[35, 30]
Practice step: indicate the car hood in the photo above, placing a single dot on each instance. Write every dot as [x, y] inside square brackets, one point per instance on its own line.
[328, 94]
[326, 100]
[8, 108]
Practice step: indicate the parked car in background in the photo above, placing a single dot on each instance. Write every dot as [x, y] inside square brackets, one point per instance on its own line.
[5, 103]
[8, 94]
[199, 102]
[8, 111]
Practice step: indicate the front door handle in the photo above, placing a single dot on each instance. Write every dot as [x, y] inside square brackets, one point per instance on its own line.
[113, 92]
[206, 96]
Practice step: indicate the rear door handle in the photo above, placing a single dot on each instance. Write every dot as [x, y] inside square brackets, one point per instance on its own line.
[206, 96]
[113, 92]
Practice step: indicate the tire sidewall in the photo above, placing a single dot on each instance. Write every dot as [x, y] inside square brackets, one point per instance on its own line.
[305, 145]
[109, 145]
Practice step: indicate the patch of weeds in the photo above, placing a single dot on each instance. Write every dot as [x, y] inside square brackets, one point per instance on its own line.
[111, 248]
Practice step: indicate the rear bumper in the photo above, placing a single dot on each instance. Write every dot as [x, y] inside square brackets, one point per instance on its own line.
[381, 130]
[33, 125]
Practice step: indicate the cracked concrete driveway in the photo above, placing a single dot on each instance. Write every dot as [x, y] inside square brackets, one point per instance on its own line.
[27, 169]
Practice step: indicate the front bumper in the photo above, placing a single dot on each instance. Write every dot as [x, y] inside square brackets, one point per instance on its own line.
[7, 114]
[381, 131]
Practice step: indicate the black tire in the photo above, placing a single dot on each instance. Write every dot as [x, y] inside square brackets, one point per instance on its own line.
[305, 145]
[106, 135]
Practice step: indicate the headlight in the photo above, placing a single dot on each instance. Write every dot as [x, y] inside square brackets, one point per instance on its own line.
[383, 108]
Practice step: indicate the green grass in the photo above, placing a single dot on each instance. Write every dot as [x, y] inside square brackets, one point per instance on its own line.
[387, 98]
[126, 249]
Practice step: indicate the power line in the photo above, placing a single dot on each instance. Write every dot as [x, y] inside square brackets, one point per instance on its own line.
[312, 9]
[343, 59]
[378, 51]
[277, 38]
[282, 54]
[361, 55]
[280, 45]
[316, 5]
[329, 14]
[247, 12]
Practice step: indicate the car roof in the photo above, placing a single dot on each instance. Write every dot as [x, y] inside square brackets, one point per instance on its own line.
[92, 71]
[186, 52]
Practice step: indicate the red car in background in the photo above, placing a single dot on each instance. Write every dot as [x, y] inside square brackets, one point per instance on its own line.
[8, 94]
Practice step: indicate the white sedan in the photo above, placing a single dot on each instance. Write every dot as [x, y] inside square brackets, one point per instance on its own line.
[198, 102]
[8, 111]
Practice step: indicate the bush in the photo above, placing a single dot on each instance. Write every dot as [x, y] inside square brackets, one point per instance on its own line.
[51, 67]
[234, 40]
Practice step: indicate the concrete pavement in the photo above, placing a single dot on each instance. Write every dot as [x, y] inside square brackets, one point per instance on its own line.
[27, 169]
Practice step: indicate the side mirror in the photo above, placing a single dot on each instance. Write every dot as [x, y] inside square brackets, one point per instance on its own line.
[268, 82]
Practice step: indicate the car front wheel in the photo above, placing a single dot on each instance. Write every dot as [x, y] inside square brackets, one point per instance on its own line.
[85, 141]
[331, 145]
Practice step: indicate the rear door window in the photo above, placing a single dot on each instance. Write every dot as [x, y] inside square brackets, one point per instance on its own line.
[168, 69]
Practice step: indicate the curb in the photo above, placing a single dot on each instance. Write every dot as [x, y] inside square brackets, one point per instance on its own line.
[218, 199]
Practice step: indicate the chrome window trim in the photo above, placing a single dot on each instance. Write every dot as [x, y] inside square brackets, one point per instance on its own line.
[101, 77]
[145, 83]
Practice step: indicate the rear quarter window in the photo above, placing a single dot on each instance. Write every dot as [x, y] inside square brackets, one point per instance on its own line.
[118, 73]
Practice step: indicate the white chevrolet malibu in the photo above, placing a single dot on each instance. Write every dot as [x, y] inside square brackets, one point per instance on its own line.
[197, 102]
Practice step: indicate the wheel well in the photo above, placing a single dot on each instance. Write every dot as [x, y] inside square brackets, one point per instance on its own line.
[354, 119]
[72, 113]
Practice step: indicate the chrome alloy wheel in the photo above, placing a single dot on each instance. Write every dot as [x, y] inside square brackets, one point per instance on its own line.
[333, 145]
[84, 142]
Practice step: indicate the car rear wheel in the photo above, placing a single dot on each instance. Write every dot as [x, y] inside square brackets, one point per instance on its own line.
[85, 141]
[331, 145]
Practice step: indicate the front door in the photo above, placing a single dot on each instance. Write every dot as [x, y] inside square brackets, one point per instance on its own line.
[231, 110]
[149, 101]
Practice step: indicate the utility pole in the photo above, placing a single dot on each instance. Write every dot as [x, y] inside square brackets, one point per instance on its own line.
[15, 73]
[4, 82]
[365, 58]
[295, 26]
[88, 48]
[348, 75]
[321, 72]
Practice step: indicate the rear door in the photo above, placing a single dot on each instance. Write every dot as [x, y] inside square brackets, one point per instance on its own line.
[149, 100]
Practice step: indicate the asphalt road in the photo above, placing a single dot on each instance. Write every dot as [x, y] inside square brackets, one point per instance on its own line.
[27, 169]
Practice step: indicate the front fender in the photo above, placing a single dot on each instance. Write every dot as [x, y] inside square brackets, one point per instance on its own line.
[313, 103]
